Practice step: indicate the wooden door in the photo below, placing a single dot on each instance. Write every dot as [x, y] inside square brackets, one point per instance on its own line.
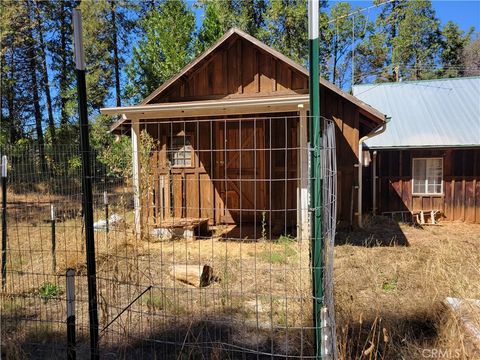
[240, 170]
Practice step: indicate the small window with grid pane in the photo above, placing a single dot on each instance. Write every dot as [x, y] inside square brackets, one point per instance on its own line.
[180, 153]
[427, 176]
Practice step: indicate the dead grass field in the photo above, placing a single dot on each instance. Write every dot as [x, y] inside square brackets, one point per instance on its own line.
[400, 288]
[390, 281]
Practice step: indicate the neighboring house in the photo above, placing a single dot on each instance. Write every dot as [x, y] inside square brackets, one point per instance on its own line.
[428, 159]
[232, 139]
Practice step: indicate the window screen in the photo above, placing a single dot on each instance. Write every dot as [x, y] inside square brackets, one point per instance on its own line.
[180, 151]
[428, 176]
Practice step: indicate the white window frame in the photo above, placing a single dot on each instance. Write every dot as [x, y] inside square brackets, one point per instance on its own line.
[172, 151]
[426, 193]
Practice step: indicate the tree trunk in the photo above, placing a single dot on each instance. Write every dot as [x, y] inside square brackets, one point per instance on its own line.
[11, 99]
[35, 93]
[44, 70]
[335, 50]
[115, 53]
[63, 75]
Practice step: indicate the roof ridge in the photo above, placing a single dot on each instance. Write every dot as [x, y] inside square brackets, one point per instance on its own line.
[417, 81]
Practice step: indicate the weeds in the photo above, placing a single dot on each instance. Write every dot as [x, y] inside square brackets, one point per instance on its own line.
[49, 291]
[390, 285]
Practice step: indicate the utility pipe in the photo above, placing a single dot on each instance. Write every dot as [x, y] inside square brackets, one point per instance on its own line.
[377, 131]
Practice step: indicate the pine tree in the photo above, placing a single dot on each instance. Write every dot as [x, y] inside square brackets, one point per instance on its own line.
[41, 10]
[96, 37]
[454, 41]
[286, 30]
[60, 45]
[165, 46]
[416, 46]
[32, 68]
[221, 15]
[471, 57]
[346, 31]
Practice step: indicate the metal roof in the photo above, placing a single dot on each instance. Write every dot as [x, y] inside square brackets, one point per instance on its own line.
[427, 113]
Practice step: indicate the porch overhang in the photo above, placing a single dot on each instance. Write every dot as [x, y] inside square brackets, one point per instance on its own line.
[207, 108]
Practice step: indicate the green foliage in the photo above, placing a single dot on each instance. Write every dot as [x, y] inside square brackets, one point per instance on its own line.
[49, 291]
[221, 15]
[390, 285]
[418, 40]
[165, 47]
[454, 41]
[345, 32]
[115, 152]
[99, 61]
[278, 256]
[264, 225]
[286, 29]
[285, 239]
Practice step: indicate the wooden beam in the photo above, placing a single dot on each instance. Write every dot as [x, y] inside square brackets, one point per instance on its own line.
[136, 177]
[303, 225]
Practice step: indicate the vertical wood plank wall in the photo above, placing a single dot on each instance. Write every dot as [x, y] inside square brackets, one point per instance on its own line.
[460, 200]
[239, 69]
[211, 188]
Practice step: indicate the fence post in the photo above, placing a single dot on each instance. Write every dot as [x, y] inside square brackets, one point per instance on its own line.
[316, 184]
[71, 338]
[86, 183]
[54, 241]
[105, 202]
[4, 221]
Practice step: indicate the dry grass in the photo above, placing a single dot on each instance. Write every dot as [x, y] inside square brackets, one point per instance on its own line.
[388, 298]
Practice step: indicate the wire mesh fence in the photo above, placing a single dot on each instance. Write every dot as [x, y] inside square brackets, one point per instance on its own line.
[202, 249]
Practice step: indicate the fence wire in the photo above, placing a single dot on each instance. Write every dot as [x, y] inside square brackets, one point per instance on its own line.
[210, 261]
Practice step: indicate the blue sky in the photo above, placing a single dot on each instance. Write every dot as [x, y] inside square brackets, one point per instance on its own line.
[465, 13]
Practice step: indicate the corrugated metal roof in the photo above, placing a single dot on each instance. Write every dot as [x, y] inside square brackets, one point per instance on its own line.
[428, 113]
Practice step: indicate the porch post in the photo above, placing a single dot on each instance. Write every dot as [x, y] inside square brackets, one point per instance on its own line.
[303, 224]
[137, 206]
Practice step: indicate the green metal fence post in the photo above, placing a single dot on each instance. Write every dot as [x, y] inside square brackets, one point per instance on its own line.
[315, 198]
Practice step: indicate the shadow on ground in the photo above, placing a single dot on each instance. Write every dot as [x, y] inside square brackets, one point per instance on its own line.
[378, 231]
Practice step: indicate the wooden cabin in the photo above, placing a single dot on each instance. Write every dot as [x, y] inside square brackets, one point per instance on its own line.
[230, 135]
[427, 163]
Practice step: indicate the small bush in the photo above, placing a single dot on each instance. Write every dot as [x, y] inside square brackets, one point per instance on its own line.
[49, 291]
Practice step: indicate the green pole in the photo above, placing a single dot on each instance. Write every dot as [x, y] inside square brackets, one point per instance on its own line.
[315, 185]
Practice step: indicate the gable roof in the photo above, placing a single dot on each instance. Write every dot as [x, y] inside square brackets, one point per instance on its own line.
[368, 109]
[427, 113]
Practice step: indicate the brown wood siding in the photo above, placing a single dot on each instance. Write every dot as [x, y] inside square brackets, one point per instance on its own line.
[460, 200]
[347, 117]
[229, 181]
[237, 69]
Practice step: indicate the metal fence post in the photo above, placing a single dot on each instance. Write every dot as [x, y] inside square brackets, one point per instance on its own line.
[71, 338]
[4, 221]
[54, 241]
[316, 185]
[86, 183]
[105, 202]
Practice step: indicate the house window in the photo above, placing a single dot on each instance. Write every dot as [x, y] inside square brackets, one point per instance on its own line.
[180, 154]
[428, 176]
